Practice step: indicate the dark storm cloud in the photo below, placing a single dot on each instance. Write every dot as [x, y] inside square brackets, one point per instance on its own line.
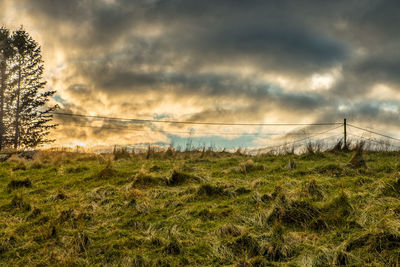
[200, 50]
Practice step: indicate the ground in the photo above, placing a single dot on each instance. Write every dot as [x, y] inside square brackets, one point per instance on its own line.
[200, 209]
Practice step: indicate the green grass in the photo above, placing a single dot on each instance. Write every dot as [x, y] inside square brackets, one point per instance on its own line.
[194, 209]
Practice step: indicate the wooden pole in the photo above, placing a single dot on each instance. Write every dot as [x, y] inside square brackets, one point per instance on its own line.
[345, 134]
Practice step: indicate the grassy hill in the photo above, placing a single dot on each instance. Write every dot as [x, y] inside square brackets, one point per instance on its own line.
[200, 209]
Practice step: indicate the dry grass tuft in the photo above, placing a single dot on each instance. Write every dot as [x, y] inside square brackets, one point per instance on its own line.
[250, 166]
[144, 179]
[228, 230]
[245, 245]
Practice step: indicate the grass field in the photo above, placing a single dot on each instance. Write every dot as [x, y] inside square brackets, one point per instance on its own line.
[200, 209]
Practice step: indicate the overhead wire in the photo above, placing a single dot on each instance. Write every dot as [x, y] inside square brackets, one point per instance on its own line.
[195, 132]
[297, 141]
[193, 122]
[373, 140]
[374, 132]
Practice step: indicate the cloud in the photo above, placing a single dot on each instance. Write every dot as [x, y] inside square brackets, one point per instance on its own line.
[216, 60]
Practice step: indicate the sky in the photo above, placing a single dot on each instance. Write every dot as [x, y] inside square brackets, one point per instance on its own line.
[214, 61]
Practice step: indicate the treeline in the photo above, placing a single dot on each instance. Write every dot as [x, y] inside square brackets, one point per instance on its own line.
[25, 117]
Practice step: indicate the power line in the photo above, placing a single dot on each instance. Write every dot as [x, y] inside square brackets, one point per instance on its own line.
[194, 122]
[373, 132]
[373, 140]
[194, 132]
[293, 143]
[300, 140]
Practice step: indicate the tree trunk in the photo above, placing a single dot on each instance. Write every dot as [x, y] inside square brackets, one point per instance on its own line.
[2, 90]
[16, 137]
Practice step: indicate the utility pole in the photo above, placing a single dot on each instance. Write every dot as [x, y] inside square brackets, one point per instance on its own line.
[345, 134]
